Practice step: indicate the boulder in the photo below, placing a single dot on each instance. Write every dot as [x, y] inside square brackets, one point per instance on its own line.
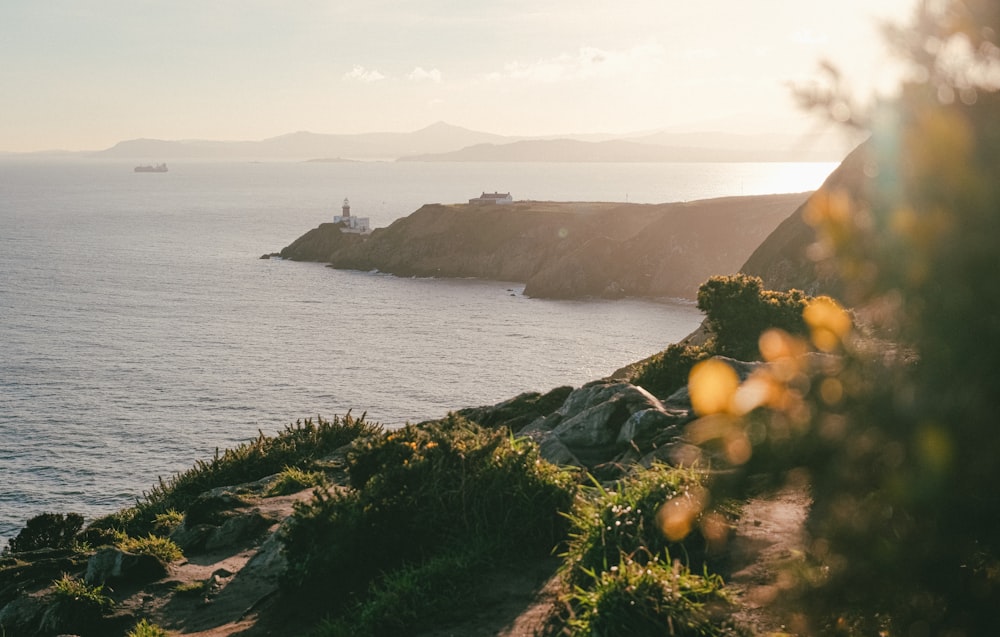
[113, 564]
[643, 425]
[600, 420]
[237, 530]
[23, 616]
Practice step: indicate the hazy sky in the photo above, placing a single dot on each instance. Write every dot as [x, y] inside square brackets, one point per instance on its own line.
[85, 74]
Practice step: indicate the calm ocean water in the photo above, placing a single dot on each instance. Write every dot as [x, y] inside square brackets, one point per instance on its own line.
[139, 331]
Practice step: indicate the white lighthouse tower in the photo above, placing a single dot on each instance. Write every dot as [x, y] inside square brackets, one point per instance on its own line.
[356, 225]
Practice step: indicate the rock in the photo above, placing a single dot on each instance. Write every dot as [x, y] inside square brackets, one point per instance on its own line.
[213, 507]
[520, 411]
[596, 426]
[237, 530]
[113, 564]
[600, 420]
[23, 616]
[552, 449]
[644, 425]
[191, 538]
[319, 244]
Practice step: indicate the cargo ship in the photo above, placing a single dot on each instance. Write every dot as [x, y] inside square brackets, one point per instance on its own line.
[158, 168]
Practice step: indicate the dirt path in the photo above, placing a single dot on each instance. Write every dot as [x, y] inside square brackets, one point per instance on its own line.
[769, 537]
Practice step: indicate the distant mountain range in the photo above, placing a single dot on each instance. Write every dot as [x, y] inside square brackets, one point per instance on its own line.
[445, 142]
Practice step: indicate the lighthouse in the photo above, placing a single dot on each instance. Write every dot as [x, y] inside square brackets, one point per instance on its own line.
[347, 223]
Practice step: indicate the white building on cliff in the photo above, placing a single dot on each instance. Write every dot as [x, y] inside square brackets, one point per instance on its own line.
[357, 225]
[493, 197]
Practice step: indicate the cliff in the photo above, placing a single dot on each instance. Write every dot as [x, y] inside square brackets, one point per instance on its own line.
[319, 244]
[784, 261]
[565, 249]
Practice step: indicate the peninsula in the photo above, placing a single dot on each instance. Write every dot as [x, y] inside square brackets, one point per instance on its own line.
[562, 250]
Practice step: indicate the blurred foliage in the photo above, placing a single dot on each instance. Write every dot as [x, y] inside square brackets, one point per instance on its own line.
[897, 440]
[422, 492]
[666, 372]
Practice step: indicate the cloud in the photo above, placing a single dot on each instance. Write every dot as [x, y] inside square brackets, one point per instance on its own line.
[586, 63]
[420, 74]
[361, 74]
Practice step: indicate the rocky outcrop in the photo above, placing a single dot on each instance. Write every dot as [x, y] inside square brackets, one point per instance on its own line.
[319, 244]
[110, 564]
[564, 250]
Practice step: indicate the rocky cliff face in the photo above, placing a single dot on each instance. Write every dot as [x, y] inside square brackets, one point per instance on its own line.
[319, 244]
[566, 250]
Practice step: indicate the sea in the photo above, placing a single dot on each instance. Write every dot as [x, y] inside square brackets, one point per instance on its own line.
[140, 331]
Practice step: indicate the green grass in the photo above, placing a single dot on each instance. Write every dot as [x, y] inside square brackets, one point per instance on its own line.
[192, 589]
[147, 629]
[421, 494]
[607, 523]
[618, 567]
[657, 598]
[299, 445]
[76, 592]
[293, 480]
[159, 547]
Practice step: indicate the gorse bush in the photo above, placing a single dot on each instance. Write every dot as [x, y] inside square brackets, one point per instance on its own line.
[145, 628]
[76, 607]
[297, 446]
[47, 531]
[293, 479]
[161, 548]
[422, 491]
[738, 310]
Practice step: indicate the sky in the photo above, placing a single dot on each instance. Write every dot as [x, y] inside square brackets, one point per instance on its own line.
[85, 74]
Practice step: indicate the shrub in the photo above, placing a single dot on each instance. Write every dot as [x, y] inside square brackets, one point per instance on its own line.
[413, 598]
[76, 607]
[650, 600]
[164, 523]
[159, 547]
[293, 480]
[421, 491]
[146, 629]
[192, 589]
[738, 310]
[666, 372]
[47, 531]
